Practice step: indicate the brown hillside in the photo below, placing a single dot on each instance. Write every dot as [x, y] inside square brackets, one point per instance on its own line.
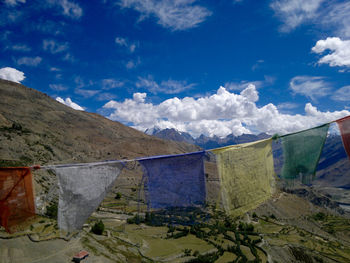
[36, 129]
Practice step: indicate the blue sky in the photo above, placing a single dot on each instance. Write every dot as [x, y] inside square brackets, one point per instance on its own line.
[211, 67]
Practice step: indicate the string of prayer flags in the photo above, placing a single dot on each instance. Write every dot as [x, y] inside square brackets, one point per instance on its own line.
[82, 188]
[16, 197]
[246, 174]
[174, 180]
[344, 127]
[302, 151]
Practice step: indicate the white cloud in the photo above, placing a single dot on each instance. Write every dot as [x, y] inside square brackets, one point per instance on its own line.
[71, 9]
[132, 64]
[68, 102]
[338, 16]
[69, 57]
[54, 47]
[12, 74]
[123, 42]
[86, 93]
[108, 84]
[173, 14]
[58, 87]
[342, 94]
[106, 96]
[250, 93]
[241, 85]
[20, 47]
[287, 106]
[168, 87]
[340, 51]
[14, 2]
[295, 12]
[311, 87]
[220, 114]
[29, 61]
[330, 15]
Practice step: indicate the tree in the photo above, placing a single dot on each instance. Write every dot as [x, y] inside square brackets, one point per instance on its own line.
[118, 196]
[98, 228]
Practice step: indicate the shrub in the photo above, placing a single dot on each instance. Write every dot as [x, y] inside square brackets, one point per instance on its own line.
[187, 252]
[118, 196]
[51, 211]
[98, 228]
[319, 216]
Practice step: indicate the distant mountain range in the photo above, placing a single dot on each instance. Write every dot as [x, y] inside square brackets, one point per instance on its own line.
[333, 168]
[203, 141]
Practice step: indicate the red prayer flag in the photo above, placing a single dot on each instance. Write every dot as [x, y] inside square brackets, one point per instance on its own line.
[344, 127]
[16, 197]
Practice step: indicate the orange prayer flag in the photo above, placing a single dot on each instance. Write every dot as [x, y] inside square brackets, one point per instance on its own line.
[16, 197]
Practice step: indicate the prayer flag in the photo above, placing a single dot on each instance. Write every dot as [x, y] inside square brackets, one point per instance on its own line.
[82, 188]
[344, 127]
[174, 180]
[16, 197]
[302, 151]
[246, 174]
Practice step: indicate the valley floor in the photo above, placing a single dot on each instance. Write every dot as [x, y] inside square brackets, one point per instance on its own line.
[285, 229]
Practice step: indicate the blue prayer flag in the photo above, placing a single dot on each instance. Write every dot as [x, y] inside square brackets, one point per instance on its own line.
[174, 180]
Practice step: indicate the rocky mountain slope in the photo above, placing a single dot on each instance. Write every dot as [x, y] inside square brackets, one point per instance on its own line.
[36, 129]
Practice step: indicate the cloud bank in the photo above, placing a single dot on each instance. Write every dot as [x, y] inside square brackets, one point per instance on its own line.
[12, 74]
[220, 114]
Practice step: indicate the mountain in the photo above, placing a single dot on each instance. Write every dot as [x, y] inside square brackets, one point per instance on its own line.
[171, 134]
[203, 141]
[36, 129]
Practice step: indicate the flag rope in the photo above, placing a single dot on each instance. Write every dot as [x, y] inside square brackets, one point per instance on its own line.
[50, 167]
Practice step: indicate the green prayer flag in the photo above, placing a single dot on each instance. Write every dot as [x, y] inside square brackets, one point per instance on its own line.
[302, 151]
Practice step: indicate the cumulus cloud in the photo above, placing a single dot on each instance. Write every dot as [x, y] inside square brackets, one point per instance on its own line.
[176, 15]
[342, 94]
[339, 51]
[11, 74]
[29, 61]
[14, 2]
[168, 86]
[311, 87]
[68, 102]
[295, 12]
[220, 114]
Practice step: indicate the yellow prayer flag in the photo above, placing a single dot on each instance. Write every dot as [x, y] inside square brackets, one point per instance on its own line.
[246, 174]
